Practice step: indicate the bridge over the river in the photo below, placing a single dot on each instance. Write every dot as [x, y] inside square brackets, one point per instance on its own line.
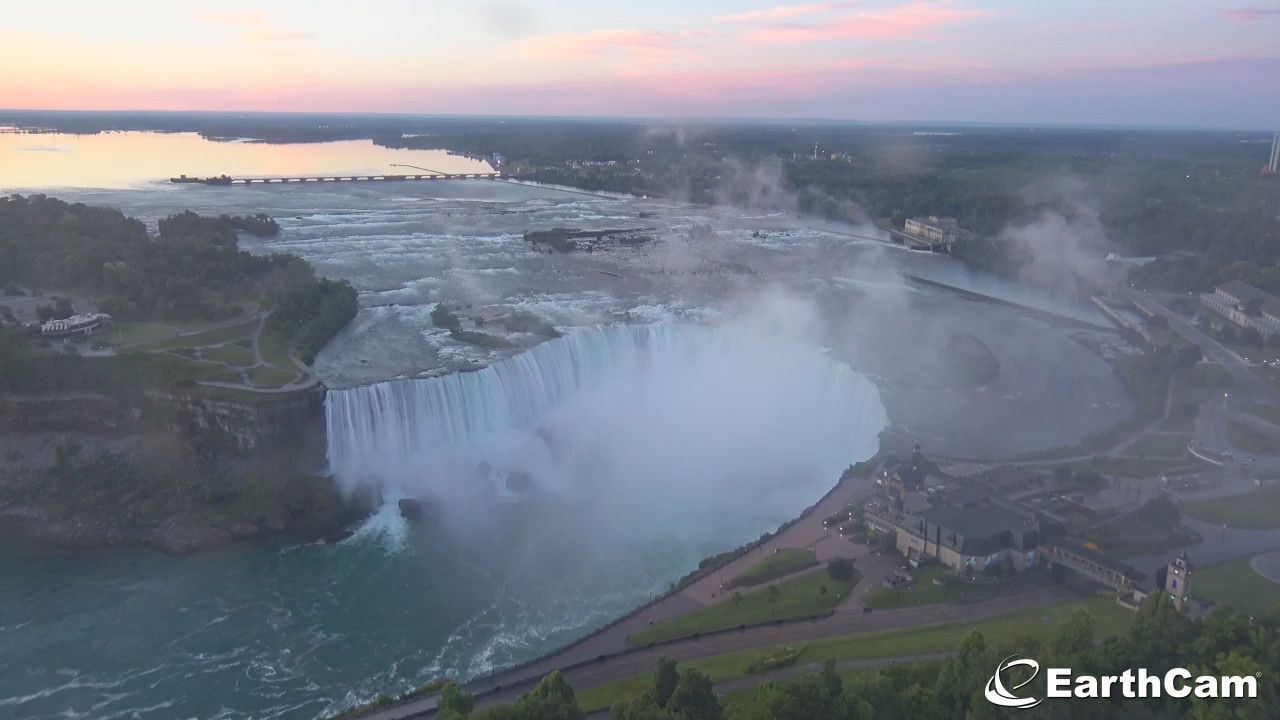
[337, 178]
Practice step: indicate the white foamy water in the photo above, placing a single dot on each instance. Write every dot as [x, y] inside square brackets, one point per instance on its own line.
[565, 483]
[673, 422]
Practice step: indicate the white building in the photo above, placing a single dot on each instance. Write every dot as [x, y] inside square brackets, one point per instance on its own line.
[937, 233]
[75, 325]
[1245, 306]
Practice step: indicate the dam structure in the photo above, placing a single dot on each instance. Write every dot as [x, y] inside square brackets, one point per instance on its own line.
[622, 386]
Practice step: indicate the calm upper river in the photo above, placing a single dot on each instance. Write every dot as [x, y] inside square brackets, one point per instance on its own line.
[133, 159]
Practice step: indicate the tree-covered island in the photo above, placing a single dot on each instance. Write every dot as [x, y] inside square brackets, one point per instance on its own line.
[191, 416]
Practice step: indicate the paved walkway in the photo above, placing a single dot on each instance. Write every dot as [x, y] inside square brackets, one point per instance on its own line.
[808, 532]
[1219, 545]
[847, 620]
[301, 380]
[1267, 565]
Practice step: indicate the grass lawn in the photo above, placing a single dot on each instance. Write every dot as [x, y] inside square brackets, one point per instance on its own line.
[275, 350]
[1271, 375]
[1250, 439]
[954, 590]
[1163, 445]
[200, 339]
[1132, 467]
[783, 562]
[230, 354]
[211, 372]
[1236, 585]
[1178, 422]
[1270, 413]
[129, 332]
[799, 598]
[1252, 511]
[1040, 623]
[267, 376]
[1205, 381]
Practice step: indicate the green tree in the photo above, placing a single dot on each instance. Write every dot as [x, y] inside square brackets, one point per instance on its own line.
[808, 696]
[841, 569]
[665, 678]
[552, 699]
[1074, 635]
[454, 703]
[695, 697]
[775, 593]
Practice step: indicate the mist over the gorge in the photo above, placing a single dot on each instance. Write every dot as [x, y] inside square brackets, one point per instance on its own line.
[707, 384]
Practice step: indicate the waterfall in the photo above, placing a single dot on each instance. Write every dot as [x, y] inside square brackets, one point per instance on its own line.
[611, 397]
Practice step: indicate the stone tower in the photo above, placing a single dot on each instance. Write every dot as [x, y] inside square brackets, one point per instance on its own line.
[1177, 580]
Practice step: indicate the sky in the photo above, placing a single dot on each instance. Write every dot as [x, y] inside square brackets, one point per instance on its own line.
[1199, 63]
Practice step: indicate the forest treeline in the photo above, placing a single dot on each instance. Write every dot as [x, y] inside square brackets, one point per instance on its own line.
[1150, 193]
[1153, 192]
[191, 271]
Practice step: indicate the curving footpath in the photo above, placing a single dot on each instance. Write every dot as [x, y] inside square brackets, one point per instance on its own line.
[583, 671]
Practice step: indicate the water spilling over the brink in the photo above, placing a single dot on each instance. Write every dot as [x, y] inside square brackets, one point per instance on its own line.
[710, 435]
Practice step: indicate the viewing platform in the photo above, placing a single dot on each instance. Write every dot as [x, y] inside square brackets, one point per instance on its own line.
[340, 178]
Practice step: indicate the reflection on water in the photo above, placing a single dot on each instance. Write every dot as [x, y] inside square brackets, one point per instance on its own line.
[129, 159]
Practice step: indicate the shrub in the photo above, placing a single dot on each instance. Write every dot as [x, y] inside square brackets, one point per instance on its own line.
[841, 569]
[784, 657]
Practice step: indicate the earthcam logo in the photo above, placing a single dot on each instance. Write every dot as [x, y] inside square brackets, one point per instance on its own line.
[996, 692]
[1060, 683]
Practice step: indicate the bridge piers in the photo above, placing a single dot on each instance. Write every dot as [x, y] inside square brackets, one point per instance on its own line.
[294, 179]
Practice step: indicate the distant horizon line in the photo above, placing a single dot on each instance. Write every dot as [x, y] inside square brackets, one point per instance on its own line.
[998, 124]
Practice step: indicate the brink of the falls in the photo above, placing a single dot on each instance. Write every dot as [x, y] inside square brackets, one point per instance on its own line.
[669, 421]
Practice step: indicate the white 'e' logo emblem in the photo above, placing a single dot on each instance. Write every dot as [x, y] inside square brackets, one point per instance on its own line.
[996, 692]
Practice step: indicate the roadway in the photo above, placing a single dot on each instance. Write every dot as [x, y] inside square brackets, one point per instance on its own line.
[1245, 381]
[1218, 545]
[847, 620]
[1210, 427]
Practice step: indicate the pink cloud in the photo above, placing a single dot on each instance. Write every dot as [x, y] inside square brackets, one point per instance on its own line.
[781, 12]
[901, 21]
[1249, 14]
[866, 89]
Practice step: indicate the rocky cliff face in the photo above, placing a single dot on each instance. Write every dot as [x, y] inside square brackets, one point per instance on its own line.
[84, 412]
[177, 471]
[257, 420]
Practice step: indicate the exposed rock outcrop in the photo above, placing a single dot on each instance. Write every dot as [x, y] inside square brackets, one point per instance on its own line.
[966, 359]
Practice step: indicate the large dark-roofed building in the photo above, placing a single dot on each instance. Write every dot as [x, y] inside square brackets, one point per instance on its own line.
[972, 538]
